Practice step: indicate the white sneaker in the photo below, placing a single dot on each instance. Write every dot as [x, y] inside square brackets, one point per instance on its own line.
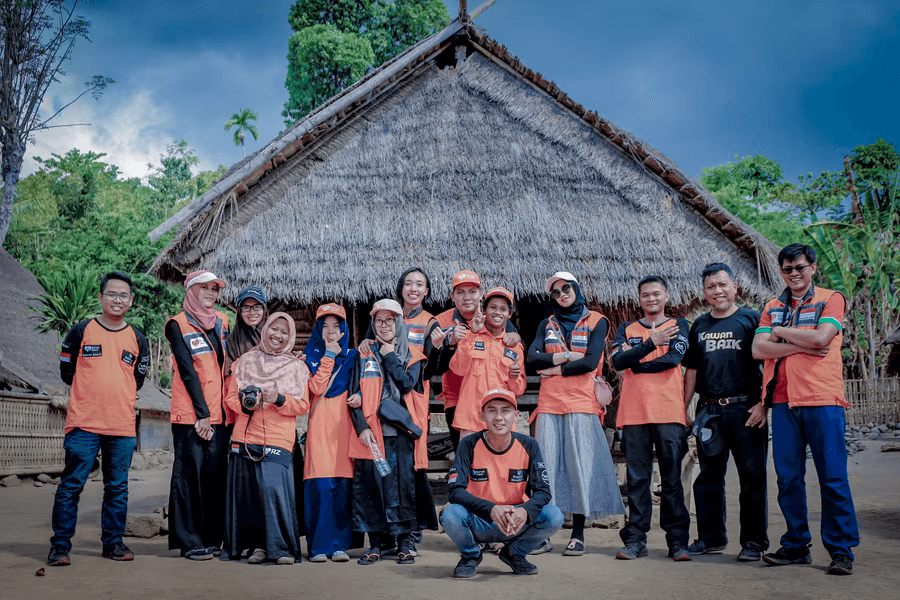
[340, 556]
[318, 558]
[285, 560]
[258, 556]
[545, 546]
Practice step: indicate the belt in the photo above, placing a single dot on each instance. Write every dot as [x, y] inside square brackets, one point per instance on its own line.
[728, 400]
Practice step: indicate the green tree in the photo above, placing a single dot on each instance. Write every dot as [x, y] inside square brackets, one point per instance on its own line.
[38, 38]
[337, 41]
[173, 180]
[241, 122]
[814, 195]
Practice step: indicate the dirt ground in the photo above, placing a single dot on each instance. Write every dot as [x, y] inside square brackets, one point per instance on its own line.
[158, 573]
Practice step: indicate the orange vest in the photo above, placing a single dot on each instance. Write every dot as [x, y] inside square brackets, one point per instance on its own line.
[450, 381]
[271, 426]
[651, 397]
[206, 365]
[103, 388]
[418, 403]
[811, 381]
[483, 363]
[560, 395]
[370, 380]
[330, 430]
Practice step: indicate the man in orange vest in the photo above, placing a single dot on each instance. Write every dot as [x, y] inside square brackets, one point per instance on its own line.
[652, 414]
[799, 339]
[105, 361]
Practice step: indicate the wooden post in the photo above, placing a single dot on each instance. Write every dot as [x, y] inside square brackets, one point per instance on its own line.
[463, 11]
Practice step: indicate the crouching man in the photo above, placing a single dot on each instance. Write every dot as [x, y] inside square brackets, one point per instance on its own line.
[499, 491]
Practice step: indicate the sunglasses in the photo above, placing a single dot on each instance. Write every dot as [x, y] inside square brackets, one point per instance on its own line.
[563, 289]
[798, 268]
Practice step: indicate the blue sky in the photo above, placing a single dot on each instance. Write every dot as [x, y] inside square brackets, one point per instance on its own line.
[801, 82]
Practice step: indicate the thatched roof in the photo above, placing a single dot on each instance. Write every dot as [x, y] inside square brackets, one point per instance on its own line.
[477, 164]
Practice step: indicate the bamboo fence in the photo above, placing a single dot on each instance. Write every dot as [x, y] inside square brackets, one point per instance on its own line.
[872, 401]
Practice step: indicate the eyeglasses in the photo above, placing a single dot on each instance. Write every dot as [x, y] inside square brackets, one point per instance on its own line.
[563, 289]
[254, 308]
[798, 268]
[384, 322]
[113, 296]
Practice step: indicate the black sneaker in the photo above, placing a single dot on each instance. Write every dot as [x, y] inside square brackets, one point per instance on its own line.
[679, 554]
[466, 566]
[789, 556]
[750, 552]
[117, 551]
[517, 563]
[632, 551]
[59, 556]
[840, 565]
[702, 547]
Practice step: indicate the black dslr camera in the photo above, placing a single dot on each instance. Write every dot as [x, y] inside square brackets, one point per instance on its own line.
[250, 397]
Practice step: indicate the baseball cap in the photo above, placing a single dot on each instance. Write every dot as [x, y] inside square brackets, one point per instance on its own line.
[465, 276]
[203, 277]
[559, 275]
[502, 292]
[386, 304]
[254, 291]
[331, 309]
[500, 394]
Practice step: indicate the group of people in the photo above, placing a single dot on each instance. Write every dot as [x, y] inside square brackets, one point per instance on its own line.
[361, 465]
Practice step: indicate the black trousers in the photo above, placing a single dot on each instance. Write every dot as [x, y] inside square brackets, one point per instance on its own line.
[749, 446]
[197, 490]
[670, 442]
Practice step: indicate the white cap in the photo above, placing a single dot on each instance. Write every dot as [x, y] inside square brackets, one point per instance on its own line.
[559, 275]
[205, 277]
[388, 305]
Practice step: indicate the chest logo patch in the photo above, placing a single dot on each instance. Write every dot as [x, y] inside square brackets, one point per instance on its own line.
[128, 358]
[479, 475]
[516, 475]
[508, 353]
[92, 350]
[479, 345]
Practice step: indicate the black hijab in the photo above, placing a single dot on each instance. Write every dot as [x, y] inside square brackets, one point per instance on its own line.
[567, 318]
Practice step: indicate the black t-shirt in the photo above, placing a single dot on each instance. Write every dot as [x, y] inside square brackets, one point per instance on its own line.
[720, 351]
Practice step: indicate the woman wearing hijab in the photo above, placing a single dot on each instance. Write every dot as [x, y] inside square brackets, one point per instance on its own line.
[328, 469]
[199, 437]
[251, 316]
[268, 392]
[387, 504]
[567, 352]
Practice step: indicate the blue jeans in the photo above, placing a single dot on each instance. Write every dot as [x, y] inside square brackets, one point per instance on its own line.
[638, 442]
[81, 449]
[822, 427]
[467, 530]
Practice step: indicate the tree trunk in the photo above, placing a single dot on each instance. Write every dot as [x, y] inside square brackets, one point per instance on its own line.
[13, 155]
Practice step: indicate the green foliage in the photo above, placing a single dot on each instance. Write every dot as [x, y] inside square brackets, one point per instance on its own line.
[241, 122]
[875, 167]
[338, 41]
[173, 180]
[814, 195]
[70, 296]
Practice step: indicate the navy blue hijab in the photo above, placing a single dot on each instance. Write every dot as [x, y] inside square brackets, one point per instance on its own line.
[343, 362]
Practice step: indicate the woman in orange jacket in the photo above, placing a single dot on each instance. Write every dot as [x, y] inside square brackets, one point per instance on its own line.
[267, 393]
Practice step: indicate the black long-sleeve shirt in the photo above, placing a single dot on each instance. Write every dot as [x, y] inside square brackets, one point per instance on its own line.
[185, 364]
[631, 359]
[538, 359]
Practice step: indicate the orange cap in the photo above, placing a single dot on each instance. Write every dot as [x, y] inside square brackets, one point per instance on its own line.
[464, 277]
[499, 394]
[331, 309]
[502, 292]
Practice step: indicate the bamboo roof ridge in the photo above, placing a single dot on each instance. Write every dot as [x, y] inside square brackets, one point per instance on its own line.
[485, 166]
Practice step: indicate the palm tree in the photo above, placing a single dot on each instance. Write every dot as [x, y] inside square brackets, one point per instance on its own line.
[242, 122]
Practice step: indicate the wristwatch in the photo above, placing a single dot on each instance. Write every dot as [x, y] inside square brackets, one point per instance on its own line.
[568, 354]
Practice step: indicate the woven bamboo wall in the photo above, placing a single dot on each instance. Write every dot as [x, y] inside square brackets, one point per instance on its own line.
[31, 436]
[872, 402]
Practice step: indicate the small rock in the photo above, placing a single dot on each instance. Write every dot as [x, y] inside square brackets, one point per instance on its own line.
[860, 446]
[56, 480]
[897, 433]
[143, 526]
[854, 428]
[38, 484]
[851, 450]
[10, 481]
[883, 428]
[152, 460]
[610, 522]
[890, 447]
[873, 435]
[864, 430]
[43, 478]
[891, 424]
[138, 462]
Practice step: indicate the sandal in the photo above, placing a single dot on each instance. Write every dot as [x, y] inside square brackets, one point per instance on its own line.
[575, 548]
[406, 549]
[405, 559]
[371, 556]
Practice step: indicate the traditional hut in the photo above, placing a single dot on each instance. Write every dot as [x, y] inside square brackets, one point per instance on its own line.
[455, 155]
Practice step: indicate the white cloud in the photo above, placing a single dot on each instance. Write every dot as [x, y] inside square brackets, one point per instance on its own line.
[130, 127]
